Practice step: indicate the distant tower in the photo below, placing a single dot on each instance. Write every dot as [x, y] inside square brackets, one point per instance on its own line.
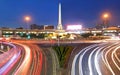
[59, 27]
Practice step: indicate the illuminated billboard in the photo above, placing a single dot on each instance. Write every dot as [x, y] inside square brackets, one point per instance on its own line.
[74, 27]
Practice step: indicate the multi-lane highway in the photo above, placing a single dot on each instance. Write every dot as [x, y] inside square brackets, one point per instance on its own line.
[26, 58]
[97, 59]
[8, 59]
[21, 60]
[37, 60]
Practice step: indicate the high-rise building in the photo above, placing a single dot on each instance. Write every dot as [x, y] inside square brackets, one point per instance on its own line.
[41, 27]
[59, 27]
[35, 26]
[48, 27]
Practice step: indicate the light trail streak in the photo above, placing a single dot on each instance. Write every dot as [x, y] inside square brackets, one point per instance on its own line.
[113, 57]
[81, 57]
[20, 61]
[109, 46]
[92, 46]
[89, 61]
[102, 54]
[80, 61]
[37, 60]
[74, 62]
[108, 64]
[9, 64]
[7, 67]
[23, 69]
[5, 57]
[8, 58]
[107, 52]
[73, 65]
[117, 57]
[41, 62]
[96, 62]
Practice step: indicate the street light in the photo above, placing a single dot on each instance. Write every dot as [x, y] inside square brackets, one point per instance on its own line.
[105, 16]
[105, 20]
[27, 19]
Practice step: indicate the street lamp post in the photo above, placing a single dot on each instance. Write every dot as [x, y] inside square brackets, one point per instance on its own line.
[105, 20]
[27, 19]
[58, 38]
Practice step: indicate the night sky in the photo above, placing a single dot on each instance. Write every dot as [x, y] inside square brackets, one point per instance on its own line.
[85, 12]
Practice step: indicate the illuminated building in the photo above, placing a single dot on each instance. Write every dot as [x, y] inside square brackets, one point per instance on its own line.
[112, 31]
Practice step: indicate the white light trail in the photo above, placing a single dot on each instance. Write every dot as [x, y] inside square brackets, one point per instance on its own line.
[96, 61]
[108, 64]
[80, 61]
[117, 57]
[23, 69]
[113, 57]
[73, 65]
[90, 59]
[104, 52]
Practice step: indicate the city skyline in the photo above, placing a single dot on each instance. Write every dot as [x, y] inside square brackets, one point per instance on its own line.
[46, 12]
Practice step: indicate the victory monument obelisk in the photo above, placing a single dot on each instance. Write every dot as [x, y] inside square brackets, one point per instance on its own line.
[59, 27]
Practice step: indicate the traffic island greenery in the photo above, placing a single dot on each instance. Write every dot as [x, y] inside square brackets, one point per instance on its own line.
[86, 35]
[63, 54]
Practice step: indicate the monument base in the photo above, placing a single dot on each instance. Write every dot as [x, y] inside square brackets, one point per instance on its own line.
[60, 31]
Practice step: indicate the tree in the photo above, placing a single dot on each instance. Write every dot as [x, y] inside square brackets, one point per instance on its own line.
[86, 35]
[99, 34]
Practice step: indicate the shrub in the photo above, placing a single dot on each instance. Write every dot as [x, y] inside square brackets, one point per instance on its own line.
[63, 53]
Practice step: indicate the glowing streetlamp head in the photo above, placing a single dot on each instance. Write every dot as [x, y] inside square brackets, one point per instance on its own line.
[105, 15]
[27, 18]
